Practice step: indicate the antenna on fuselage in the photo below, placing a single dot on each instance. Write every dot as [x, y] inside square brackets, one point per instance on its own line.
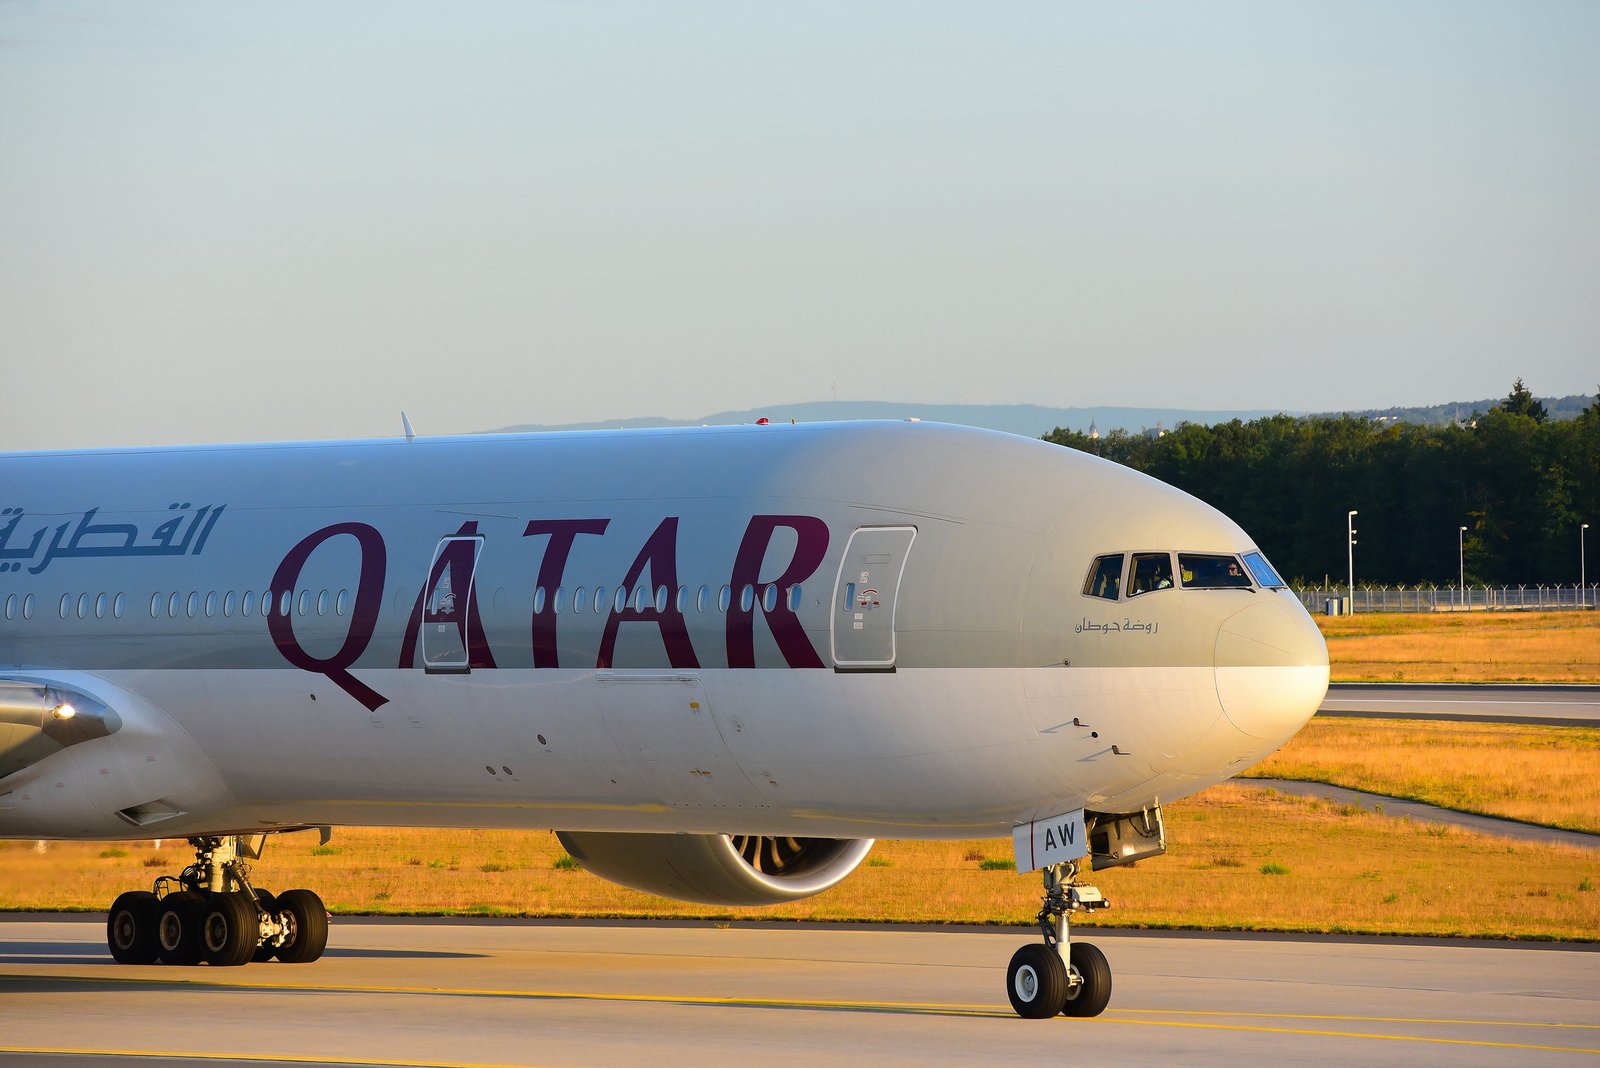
[405, 422]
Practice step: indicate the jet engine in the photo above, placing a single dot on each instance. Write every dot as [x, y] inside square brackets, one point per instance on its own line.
[718, 869]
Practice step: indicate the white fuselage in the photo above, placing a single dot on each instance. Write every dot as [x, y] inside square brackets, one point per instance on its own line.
[425, 658]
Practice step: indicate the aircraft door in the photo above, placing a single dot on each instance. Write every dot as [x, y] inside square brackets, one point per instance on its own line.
[864, 597]
[447, 599]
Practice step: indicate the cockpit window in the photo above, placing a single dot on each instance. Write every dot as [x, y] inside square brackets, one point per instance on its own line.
[1204, 571]
[1266, 575]
[1151, 571]
[1105, 577]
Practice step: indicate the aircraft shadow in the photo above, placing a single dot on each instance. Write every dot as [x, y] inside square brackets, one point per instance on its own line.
[63, 953]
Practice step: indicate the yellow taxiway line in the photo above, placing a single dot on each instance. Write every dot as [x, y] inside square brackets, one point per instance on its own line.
[1128, 1016]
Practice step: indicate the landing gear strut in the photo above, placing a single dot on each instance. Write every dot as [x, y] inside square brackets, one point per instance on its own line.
[1058, 977]
[211, 913]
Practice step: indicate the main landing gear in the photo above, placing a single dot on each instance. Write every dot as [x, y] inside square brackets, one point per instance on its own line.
[1040, 982]
[211, 913]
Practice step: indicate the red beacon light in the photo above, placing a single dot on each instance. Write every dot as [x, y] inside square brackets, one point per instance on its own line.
[763, 421]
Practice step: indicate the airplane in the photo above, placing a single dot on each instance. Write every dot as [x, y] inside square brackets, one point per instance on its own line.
[720, 662]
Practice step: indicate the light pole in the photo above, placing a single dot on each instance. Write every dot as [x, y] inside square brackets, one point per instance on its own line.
[1350, 553]
[1583, 569]
[1461, 563]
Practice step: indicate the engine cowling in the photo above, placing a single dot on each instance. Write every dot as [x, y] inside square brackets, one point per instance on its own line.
[718, 869]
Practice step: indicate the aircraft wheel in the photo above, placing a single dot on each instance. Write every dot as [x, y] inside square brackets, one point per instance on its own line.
[308, 926]
[1036, 982]
[178, 928]
[131, 928]
[229, 930]
[269, 904]
[1090, 997]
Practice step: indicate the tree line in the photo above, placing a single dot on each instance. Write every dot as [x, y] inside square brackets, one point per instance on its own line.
[1520, 483]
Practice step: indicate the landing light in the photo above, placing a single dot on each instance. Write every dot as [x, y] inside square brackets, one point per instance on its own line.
[63, 711]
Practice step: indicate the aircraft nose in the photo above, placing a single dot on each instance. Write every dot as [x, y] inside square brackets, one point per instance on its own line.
[1271, 667]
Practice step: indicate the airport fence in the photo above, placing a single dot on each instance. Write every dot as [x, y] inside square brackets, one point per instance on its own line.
[1336, 600]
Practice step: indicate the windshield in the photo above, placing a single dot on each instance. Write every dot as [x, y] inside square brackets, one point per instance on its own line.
[1205, 571]
[1151, 571]
[1264, 572]
[1105, 577]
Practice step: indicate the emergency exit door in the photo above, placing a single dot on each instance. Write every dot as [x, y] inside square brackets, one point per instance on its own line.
[864, 597]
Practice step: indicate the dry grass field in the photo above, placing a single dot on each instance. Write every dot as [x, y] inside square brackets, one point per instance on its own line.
[1464, 647]
[1546, 775]
[1239, 858]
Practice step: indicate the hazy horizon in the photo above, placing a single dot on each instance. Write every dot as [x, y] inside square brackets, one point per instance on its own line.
[295, 220]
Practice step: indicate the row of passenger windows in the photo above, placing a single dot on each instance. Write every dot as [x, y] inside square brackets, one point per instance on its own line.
[321, 602]
[1147, 572]
[580, 600]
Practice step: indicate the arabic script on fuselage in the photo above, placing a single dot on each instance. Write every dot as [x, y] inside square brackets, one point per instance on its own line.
[183, 533]
[1111, 626]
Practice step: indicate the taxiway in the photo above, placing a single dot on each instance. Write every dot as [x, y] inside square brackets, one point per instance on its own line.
[544, 993]
[1573, 706]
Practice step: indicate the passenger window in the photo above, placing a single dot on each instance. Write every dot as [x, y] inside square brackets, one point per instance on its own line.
[1105, 577]
[11, 607]
[1151, 571]
[83, 605]
[1204, 571]
[538, 600]
[117, 606]
[620, 601]
[661, 600]
[193, 604]
[155, 605]
[66, 605]
[747, 598]
[100, 607]
[27, 607]
[724, 599]
[683, 599]
[702, 599]
[769, 597]
[227, 603]
[560, 592]
[342, 605]
[211, 604]
[794, 598]
[249, 602]
[322, 603]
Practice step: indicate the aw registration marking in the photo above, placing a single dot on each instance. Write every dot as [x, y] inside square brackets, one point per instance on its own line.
[1050, 841]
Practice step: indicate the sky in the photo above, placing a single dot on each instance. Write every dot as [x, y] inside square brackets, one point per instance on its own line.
[234, 222]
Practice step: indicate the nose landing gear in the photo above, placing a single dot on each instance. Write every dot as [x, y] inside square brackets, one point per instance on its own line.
[1055, 978]
[211, 913]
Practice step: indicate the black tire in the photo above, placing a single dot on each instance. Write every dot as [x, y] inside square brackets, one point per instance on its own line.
[1090, 997]
[131, 928]
[229, 930]
[178, 928]
[308, 926]
[1036, 982]
[269, 904]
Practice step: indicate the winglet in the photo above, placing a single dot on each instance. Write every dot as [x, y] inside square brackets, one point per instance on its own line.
[405, 421]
